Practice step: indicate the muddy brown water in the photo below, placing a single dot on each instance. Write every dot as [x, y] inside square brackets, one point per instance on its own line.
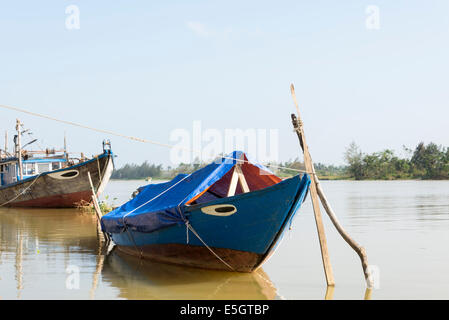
[404, 225]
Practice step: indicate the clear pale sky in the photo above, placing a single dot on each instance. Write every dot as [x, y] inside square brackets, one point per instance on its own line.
[144, 69]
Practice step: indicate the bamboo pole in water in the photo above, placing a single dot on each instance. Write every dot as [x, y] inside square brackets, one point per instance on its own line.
[97, 273]
[315, 203]
[101, 235]
[329, 293]
[316, 187]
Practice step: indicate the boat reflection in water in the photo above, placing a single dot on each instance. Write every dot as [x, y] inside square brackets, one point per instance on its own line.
[143, 279]
[38, 247]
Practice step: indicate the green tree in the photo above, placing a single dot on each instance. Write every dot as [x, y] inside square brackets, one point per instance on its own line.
[353, 157]
[431, 161]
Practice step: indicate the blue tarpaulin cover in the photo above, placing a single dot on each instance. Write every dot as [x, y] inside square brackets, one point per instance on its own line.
[161, 205]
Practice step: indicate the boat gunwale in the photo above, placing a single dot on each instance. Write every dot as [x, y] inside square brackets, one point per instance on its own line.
[298, 194]
[106, 153]
[189, 208]
[289, 216]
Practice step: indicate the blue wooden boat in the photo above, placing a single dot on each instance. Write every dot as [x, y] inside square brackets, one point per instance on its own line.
[229, 215]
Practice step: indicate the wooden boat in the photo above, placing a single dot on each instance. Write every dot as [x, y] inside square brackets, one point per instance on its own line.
[229, 215]
[50, 178]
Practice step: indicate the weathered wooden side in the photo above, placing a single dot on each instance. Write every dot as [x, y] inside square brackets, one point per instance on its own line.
[196, 256]
[50, 190]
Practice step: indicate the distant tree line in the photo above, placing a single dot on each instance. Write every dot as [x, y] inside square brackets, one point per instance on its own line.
[134, 171]
[145, 170]
[323, 171]
[424, 162]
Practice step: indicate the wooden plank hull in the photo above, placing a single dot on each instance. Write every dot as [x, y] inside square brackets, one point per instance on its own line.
[197, 256]
[243, 239]
[64, 188]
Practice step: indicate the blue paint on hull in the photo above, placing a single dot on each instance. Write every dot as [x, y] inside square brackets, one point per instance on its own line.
[256, 227]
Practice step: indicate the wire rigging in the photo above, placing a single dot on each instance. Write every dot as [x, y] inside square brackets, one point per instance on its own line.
[134, 138]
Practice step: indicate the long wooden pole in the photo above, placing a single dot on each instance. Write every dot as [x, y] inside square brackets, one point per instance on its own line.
[314, 195]
[316, 182]
[97, 211]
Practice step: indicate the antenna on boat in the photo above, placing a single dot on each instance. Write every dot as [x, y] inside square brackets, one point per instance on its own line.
[315, 192]
[27, 144]
[6, 144]
[18, 147]
[65, 147]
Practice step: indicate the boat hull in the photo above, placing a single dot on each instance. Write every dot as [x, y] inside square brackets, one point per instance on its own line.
[64, 188]
[197, 256]
[243, 239]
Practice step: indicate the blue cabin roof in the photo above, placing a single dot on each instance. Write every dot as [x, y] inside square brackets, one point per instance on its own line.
[37, 160]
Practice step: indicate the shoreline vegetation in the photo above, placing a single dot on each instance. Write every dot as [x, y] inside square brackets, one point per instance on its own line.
[424, 162]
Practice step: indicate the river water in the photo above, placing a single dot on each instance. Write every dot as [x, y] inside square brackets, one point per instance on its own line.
[404, 226]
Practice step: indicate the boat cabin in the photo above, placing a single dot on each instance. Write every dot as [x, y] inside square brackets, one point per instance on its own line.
[9, 168]
[22, 163]
[8, 171]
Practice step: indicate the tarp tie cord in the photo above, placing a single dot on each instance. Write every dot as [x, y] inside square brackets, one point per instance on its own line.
[134, 138]
[153, 198]
[22, 192]
[124, 222]
[134, 242]
[189, 227]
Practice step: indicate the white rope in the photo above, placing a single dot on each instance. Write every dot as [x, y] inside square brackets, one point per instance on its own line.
[189, 227]
[134, 242]
[83, 126]
[22, 192]
[131, 137]
[144, 141]
[154, 197]
[205, 244]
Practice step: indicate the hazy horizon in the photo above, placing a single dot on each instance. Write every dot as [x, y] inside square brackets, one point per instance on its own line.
[148, 69]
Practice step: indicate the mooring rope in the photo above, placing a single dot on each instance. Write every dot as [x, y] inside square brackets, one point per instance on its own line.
[143, 204]
[134, 242]
[83, 126]
[135, 138]
[189, 226]
[22, 192]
